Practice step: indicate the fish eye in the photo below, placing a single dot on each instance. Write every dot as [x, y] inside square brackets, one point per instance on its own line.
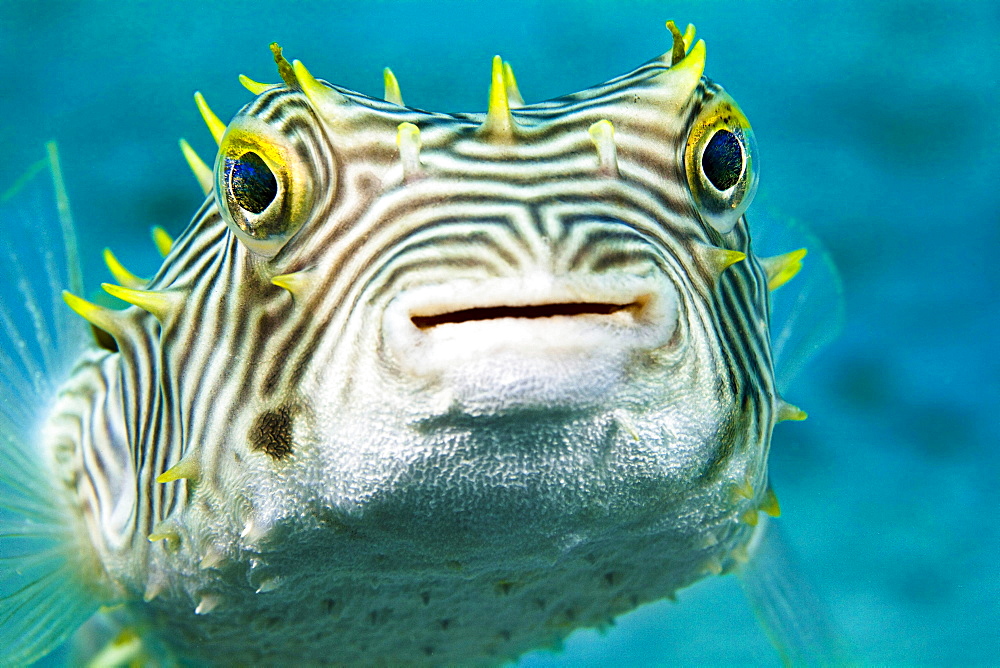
[250, 182]
[262, 186]
[721, 163]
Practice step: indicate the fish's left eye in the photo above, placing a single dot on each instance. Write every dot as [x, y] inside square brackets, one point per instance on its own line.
[263, 187]
[721, 163]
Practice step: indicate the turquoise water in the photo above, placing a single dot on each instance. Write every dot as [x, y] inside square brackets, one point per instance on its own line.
[875, 124]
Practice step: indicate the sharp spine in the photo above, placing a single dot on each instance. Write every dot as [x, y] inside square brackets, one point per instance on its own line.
[202, 172]
[740, 554]
[720, 259]
[769, 505]
[160, 303]
[392, 92]
[285, 70]
[749, 517]
[745, 489]
[682, 43]
[121, 274]
[207, 603]
[105, 319]
[165, 532]
[514, 98]
[499, 123]
[215, 126]
[787, 411]
[317, 93]
[269, 584]
[212, 558]
[684, 75]
[782, 268]
[408, 141]
[188, 468]
[679, 49]
[255, 87]
[623, 420]
[713, 566]
[689, 33]
[297, 283]
[602, 134]
[162, 239]
[154, 587]
[253, 531]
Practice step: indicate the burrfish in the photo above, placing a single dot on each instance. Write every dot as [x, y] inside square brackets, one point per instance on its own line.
[411, 388]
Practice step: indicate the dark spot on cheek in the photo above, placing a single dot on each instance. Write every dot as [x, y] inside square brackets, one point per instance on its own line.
[272, 432]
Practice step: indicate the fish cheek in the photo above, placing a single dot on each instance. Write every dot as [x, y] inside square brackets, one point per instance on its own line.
[272, 431]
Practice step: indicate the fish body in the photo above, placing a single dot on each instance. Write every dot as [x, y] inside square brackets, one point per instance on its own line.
[429, 388]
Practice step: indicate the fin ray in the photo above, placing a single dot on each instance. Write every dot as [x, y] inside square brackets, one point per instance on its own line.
[808, 313]
[44, 595]
[794, 617]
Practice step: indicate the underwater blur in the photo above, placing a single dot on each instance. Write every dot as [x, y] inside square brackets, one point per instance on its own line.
[870, 118]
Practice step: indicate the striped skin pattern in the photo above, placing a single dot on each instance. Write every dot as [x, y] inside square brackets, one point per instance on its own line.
[462, 384]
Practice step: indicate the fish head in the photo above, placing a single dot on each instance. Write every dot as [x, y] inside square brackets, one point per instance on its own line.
[529, 314]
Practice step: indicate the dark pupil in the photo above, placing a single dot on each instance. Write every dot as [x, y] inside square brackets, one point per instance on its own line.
[722, 160]
[251, 183]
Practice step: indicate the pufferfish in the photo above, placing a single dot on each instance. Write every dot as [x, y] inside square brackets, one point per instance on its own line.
[411, 388]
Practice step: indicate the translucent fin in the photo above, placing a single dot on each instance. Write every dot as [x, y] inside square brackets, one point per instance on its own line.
[792, 615]
[807, 313]
[43, 598]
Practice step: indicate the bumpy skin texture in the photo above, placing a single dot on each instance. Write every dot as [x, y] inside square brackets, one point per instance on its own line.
[511, 388]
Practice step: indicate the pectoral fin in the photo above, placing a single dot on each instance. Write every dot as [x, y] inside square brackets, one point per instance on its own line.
[792, 614]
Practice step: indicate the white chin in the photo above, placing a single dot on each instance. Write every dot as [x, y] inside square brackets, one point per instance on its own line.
[490, 379]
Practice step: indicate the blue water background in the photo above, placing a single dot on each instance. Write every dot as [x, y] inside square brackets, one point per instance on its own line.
[876, 122]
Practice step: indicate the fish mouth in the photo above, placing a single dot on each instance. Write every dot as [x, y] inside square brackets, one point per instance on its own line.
[530, 312]
[527, 340]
